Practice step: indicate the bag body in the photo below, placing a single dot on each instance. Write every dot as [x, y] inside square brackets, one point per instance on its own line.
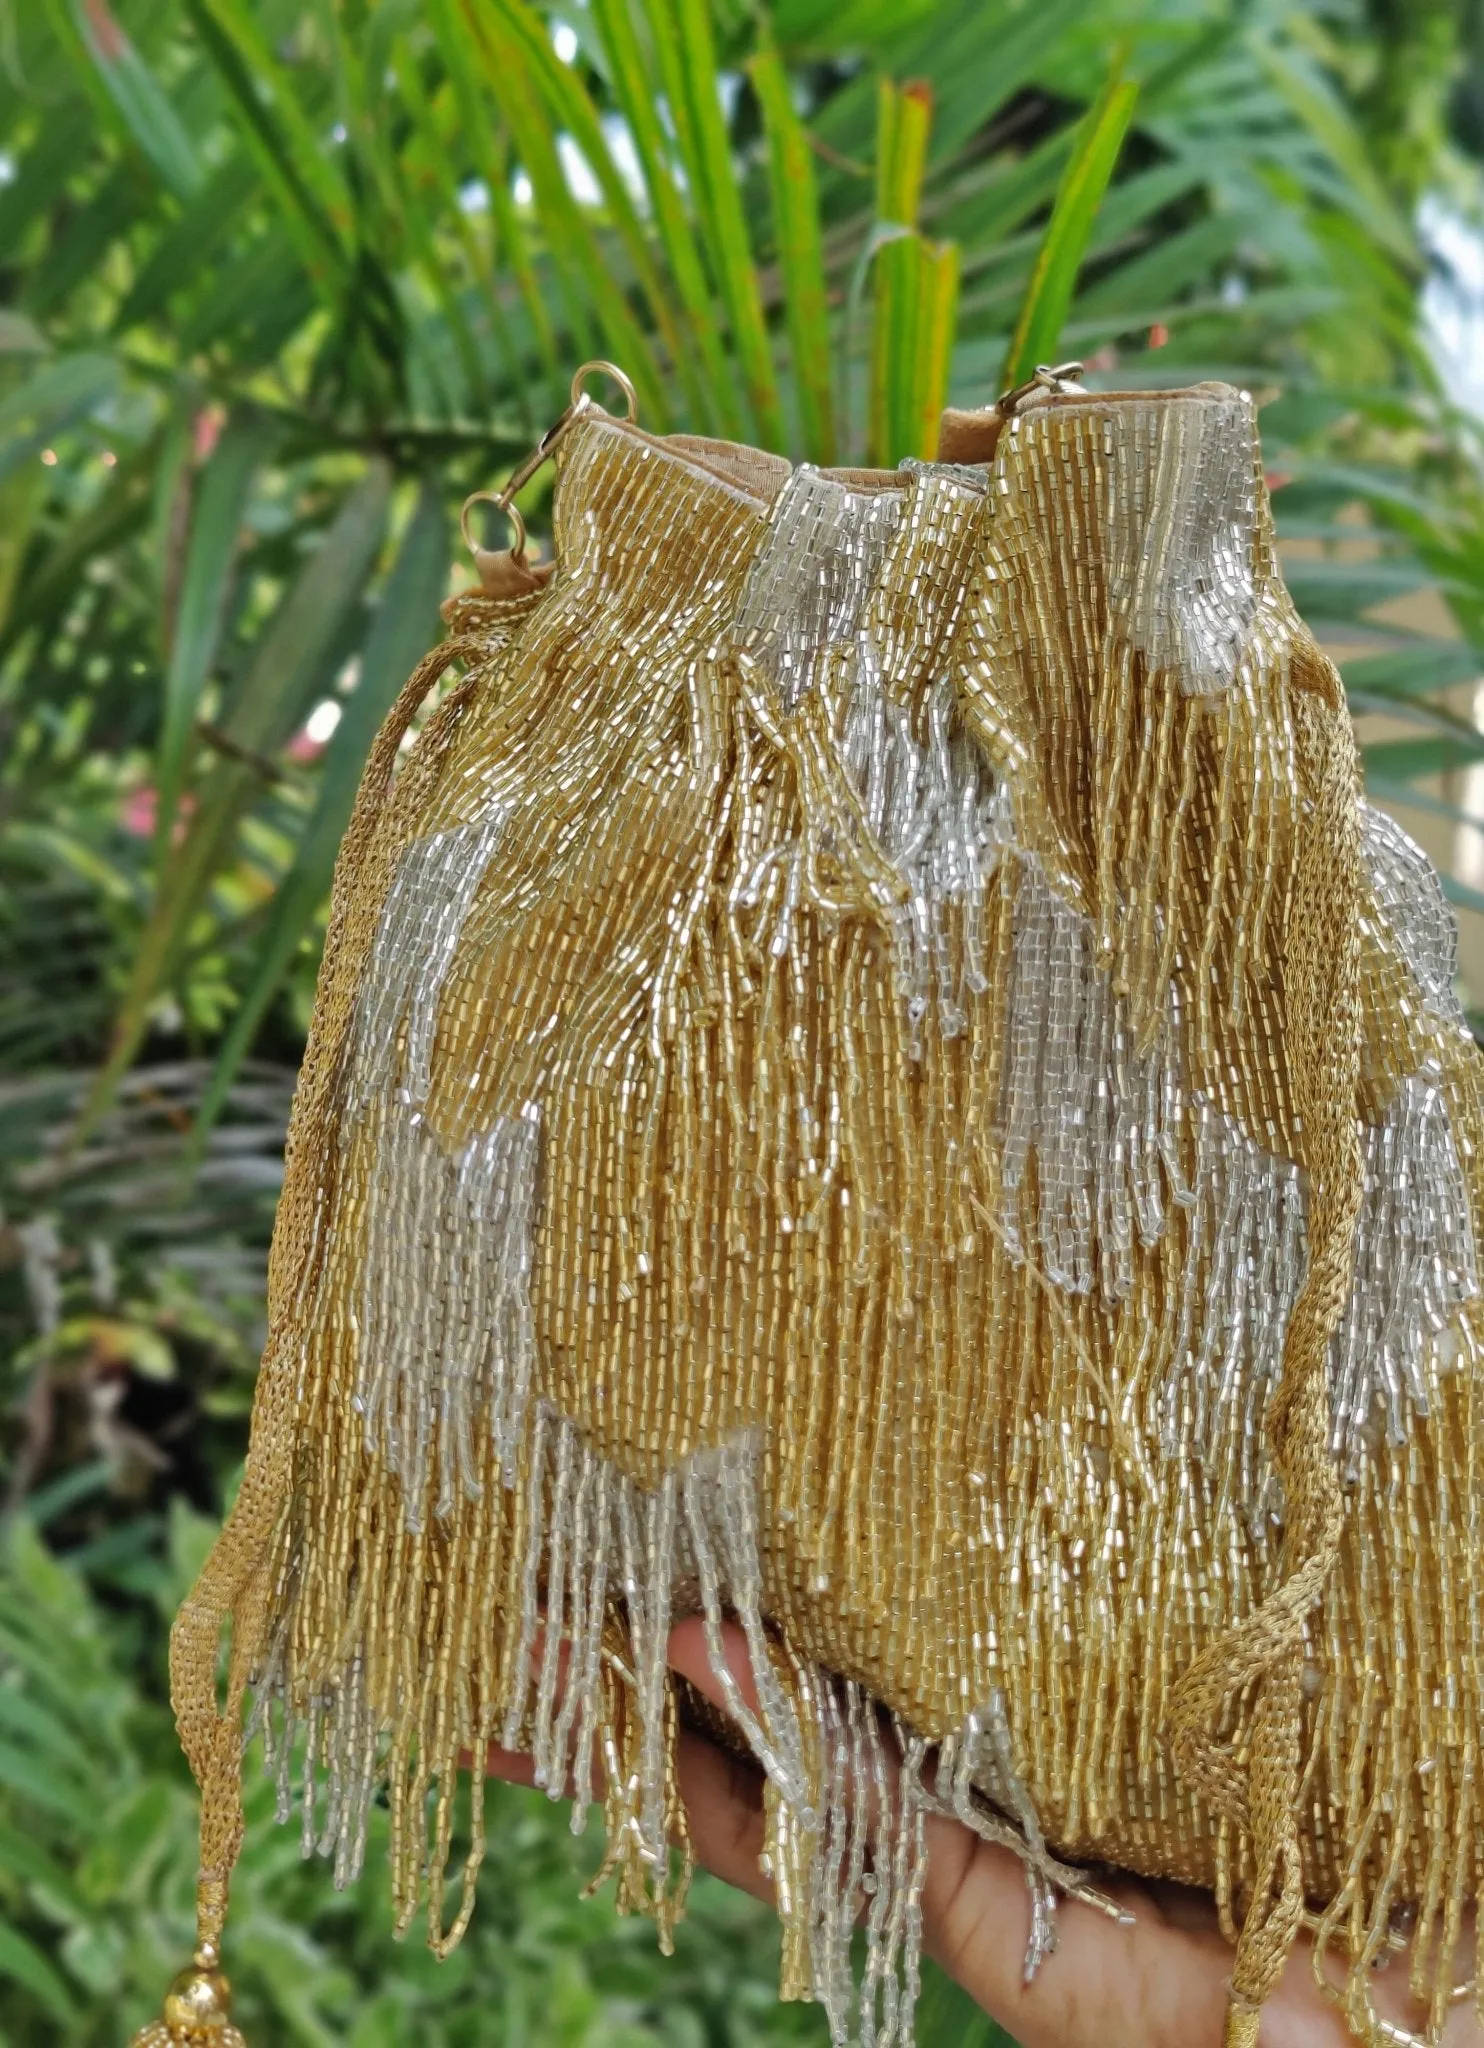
[875, 1078]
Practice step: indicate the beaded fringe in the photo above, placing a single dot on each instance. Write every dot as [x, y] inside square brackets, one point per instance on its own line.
[604, 1571]
[838, 1065]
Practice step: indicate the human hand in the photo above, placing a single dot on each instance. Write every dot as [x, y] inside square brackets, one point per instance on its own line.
[1158, 1983]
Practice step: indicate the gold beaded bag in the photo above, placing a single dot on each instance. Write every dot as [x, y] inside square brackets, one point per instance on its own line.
[875, 1079]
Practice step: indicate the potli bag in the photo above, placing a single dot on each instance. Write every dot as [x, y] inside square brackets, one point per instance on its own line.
[875, 1079]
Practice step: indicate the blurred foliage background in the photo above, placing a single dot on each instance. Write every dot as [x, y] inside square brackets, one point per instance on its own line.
[281, 281]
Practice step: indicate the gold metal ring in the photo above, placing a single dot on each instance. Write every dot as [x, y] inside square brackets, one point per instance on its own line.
[1057, 379]
[598, 367]
[540, 455]
[503, 503]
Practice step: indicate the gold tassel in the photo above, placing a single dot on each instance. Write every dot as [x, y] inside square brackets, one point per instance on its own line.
[1242, 2023]
[198, 2009]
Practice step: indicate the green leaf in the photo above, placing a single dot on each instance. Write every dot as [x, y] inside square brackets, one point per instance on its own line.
[43, 171]
[21, 497]
[56, 1496]
[904, 119]
[1414, 670]
[511, 250]
[800, 253]
[191, 1536]
[122, 1850]
[20, 336]
[1401, 761]
[681, 34]
[290, 158]
[221, 497]
[983, 209]
[269, 701]
[1385, 489]
[53, 1605]
[288, 667]
[80, 243]
[61, 393]
[416, 190]
[1332, 588]
[119, 512]
[490, 41]
[1160, 275]
[573, 111]
[912, 345]
[45, 1792]
[1048, 299]
[175, 262]
[916, 289]
[267, 293]
[39, 1636]
[144, 109]
[896, 276]
[1315, 103]
[54, 1752]
[1421, 714]
[835, 25]
[937, 308]
[1134, 202]
[23, 1857]
[976, 59]
[405, 627]
[24, 1964]
[428, 167]
[630, 82]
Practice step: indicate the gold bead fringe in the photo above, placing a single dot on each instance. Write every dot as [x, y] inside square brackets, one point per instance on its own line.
[874, 1081]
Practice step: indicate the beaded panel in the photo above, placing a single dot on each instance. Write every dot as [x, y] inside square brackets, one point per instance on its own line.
[882, 1060]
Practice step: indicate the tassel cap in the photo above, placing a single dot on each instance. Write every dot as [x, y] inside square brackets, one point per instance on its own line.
[198, 2010]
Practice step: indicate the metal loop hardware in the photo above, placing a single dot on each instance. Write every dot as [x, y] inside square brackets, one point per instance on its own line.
[1048, 380]
[504, 499]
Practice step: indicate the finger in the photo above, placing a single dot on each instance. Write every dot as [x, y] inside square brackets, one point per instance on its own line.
[1160, 1983]
[976, 1909]
[724, 1811]
[513, 1765]
[723, 1794]
[976, 1906]
[690, 1655]
[517, 1767]
[1106, 1985]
